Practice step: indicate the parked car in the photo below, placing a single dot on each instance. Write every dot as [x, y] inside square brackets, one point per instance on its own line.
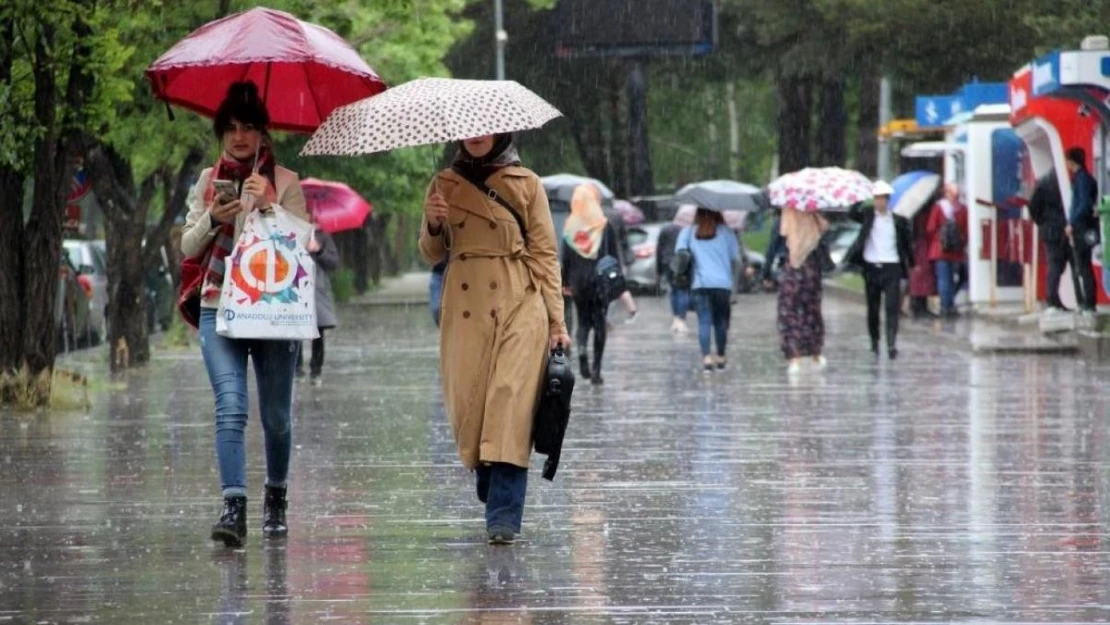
[89, 259]
[641, 273]
[72, 309]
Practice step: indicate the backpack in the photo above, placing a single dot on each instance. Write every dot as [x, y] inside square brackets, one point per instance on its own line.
[951, 239]
[682, 264]
[608, 280]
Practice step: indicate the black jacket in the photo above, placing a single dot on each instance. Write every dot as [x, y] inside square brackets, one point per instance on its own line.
[664, 248]
[578, 272]
[865, 214]
[1046, 207]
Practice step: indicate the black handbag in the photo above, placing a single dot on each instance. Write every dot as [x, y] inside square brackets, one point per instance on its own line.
[553, 412]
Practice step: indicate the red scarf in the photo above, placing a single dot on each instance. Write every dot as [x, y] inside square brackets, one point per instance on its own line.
[229, 168]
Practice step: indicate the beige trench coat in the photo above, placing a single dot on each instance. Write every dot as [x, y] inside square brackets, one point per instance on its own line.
[501, 303]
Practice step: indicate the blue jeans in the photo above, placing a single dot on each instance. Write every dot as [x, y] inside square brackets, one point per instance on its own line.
[714, 310]
[946, 284]
[502, 487]
[226, 362]
[680, 303]
[435, 290]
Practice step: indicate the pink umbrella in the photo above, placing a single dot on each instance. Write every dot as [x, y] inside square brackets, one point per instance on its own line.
[685, 217]
[302, 70]
[335, 206]
[630, 214]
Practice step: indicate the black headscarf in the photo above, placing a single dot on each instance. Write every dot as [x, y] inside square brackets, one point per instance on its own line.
[503, 154]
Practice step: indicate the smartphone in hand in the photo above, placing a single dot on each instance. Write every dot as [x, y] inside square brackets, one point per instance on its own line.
[226, 190]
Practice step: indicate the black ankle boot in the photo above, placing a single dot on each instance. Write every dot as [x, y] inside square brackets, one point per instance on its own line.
[584, 365]
[273, 512]
[232, 526]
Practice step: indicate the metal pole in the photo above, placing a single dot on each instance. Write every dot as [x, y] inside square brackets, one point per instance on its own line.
[500, 37]
[884, 119]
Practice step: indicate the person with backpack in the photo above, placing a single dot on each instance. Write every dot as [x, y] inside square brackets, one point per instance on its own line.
[591, 274]
[714, 259]
[947, 228]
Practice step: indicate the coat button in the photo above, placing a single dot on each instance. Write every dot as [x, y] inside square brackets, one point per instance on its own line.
[493, 286]
[465, 286]
[466, 314]
[493, 313]
[492, 226]
[462, 256]
[462, 225]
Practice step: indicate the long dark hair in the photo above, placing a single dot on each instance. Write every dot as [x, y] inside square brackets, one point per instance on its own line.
[707, 222]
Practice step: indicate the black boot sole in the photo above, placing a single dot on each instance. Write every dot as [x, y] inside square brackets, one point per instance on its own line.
[229, 538]
[275, 533]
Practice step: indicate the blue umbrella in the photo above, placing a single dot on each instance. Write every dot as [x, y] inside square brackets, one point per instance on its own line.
[911, 191]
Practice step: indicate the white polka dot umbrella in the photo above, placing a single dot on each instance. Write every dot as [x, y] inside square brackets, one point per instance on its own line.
[820, 189]
[428, 111]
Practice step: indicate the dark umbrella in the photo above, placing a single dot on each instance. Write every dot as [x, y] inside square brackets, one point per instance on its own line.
[722, 195]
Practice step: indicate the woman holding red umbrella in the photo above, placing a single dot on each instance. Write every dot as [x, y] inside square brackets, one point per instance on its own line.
[212, 226]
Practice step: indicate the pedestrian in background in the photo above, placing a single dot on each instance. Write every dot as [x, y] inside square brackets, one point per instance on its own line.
[947, 229]
[212, 227]
[801, 324]
[884, 253]
[435, 290]
[325, 254]
[776, 250]
[715, 256]
[502, 314]
[587, 238]
[1082, 228]
[923, 281]
[679, 297]
[1046, 209]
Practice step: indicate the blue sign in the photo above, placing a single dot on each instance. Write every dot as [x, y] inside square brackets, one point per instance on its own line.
[1046, 74]
[934, 110]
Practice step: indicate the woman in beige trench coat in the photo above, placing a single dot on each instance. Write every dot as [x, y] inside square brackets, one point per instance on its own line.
[502, 310]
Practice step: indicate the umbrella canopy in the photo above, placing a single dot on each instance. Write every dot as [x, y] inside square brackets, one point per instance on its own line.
[302, 70]
[721, 195]
[630, 214]
[820, 189]
[334, 206]
[560, 187]
[911, 191]
[427, 111]
[686, 213]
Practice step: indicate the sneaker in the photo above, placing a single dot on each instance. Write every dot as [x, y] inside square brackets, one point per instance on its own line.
[722, 364]
[317, 381]
[821, 362]
[795, 367]
[632, 317]
[501, 536]
[682, 327]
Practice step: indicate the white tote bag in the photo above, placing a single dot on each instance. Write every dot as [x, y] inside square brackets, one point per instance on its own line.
[269, 281]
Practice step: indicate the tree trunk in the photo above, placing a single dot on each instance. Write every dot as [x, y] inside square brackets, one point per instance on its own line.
[582, 105]
[43, 234]
[733, 132]
[831, 124]
[793, 122]
[11, 243]
[639, 145]
[867, 142]
[620, 177]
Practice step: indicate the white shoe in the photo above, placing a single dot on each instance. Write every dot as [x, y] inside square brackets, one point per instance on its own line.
[631, 318]
[795, 367]
[822, 364]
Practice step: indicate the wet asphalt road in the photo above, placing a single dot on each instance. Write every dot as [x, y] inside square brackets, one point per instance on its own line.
[945, 487]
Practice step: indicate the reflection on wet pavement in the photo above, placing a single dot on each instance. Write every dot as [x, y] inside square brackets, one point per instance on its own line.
[946, 487]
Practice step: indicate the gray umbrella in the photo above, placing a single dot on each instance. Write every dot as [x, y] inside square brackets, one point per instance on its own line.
[722, 195]
[560, 187]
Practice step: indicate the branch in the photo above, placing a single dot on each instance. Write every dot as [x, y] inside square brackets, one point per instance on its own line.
[173, 208]
[114, 200]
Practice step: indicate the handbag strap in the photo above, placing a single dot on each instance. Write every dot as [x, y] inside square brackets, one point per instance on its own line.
[496, 197]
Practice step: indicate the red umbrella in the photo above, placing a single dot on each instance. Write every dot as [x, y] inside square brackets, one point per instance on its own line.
[335, 206]
[303, 71]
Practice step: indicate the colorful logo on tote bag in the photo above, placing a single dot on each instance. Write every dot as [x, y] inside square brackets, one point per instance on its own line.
[268, 270]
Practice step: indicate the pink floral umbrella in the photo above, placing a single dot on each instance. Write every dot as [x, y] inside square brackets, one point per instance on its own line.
[820, 189]
[335, 206]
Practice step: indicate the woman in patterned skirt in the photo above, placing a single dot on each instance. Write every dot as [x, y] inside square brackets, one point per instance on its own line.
[800, 323]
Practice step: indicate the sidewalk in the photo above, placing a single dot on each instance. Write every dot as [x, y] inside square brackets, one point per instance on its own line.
[1003, 329]
[408, 289]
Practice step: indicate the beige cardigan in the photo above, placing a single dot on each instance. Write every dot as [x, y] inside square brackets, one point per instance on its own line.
[199, 234]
